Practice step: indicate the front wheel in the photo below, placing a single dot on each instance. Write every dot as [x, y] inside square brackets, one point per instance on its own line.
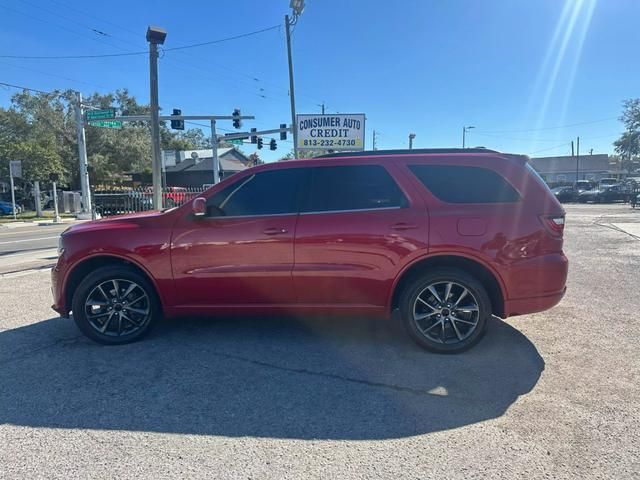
[445, 310]
[115, 305]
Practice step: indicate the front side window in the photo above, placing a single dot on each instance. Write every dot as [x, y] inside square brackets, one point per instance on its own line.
[273, 192]
[352, 187]
[465, 184]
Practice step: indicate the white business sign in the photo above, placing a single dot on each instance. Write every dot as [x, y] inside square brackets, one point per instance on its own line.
[330, 132]
[15, 168]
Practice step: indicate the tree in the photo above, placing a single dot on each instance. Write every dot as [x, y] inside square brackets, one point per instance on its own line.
[628, 145]
[254, 159]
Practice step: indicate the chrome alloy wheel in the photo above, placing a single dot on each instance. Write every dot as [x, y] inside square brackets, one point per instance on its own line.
[117, 307]
[446, 312]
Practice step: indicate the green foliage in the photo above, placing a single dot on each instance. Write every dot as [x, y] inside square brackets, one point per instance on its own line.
[628, 145]
[40, 130]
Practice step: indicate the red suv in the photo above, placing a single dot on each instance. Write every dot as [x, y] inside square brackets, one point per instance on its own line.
[446, 237]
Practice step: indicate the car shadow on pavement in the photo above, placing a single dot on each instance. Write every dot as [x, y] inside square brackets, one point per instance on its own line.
[304, 378]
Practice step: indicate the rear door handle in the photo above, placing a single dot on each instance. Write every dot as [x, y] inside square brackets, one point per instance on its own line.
[274, 231]
[403, 226]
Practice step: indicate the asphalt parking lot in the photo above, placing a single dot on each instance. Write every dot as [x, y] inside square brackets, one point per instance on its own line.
[550, 395]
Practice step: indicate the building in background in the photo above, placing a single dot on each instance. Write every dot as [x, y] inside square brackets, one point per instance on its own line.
[194, 168]
[563, 169]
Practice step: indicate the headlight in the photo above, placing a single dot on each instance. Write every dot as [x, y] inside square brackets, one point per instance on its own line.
[60, 246]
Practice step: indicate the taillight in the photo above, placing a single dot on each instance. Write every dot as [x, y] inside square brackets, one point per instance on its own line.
[554, 223]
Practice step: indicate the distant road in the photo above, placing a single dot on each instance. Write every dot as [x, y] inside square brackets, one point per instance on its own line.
[28, 247]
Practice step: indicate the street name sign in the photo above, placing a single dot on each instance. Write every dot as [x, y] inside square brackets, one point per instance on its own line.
[330, 132]
[99, 114]
[106, 123]
[15, 168]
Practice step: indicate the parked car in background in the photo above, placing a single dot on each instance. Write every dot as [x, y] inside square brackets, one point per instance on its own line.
[6, 208]
[582, 186]
[606, 194]
[565, 194]
[605, 182]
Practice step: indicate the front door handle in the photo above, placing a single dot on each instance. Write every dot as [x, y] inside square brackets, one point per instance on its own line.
[403, 226]
[274, 231]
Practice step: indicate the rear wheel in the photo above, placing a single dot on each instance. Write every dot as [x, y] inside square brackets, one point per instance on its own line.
[115, 305]
[445, 310]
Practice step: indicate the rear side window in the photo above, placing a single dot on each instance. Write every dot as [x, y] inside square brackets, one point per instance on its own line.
[352, 187]
[462, 184]
[266, 193]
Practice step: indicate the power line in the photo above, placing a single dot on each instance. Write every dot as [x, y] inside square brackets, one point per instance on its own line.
[552, 128]
[550, 148]
[25, 88]
[213, 42]
[142, 52]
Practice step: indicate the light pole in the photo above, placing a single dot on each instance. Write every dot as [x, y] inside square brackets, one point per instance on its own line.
[411, 137]
[297, 6]
[155, 37]
[464, 134]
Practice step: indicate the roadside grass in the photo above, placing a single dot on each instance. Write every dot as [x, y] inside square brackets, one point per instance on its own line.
[32, 217]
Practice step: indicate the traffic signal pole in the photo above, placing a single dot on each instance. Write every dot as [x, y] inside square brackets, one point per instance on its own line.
[214, 148]
[82, 155]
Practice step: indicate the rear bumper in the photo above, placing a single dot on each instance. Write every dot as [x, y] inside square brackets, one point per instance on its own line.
[521, 306]
[538, 284]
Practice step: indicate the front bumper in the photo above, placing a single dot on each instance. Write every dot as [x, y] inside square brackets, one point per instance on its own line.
[57, 290]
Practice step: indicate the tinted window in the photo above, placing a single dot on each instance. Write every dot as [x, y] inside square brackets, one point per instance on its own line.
[354, 187]
[265, 193]
[458, 184]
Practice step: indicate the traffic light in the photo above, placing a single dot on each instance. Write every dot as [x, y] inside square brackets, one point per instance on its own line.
[283, 133]
[254, 138]
[272, 144]
[259, 143]
[177, 124]
[237, 123]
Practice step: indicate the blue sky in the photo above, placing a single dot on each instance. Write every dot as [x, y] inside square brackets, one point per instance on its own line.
[514, 69]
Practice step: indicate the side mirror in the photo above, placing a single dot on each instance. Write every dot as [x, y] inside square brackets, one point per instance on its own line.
[199, 206]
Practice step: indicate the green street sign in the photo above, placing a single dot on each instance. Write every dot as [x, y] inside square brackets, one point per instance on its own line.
[98, 114]
[237, 141]
[106, 123]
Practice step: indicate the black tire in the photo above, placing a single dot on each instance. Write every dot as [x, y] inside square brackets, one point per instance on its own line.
[130, 324]
[454, 335]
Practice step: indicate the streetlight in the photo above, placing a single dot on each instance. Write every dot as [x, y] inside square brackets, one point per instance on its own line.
[411, 137]
[464, 132]
[297, 6]
[155, 37]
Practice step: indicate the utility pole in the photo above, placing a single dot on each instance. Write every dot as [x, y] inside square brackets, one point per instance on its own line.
[374, 140]
[464, 132]
[572, 152]
[297, 6]
[36, 198]
[155, 37]
[292, 97]
[411, 137]
[55, 203]
[214, 147]
[82, 155]
[577, 158]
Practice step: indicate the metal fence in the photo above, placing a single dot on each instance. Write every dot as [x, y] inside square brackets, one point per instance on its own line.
[118, 202]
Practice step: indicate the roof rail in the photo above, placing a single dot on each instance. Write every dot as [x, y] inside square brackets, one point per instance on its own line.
[414, 151]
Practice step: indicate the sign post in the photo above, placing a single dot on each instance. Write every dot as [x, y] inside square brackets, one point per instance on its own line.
[15, 170]
[339, 132]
